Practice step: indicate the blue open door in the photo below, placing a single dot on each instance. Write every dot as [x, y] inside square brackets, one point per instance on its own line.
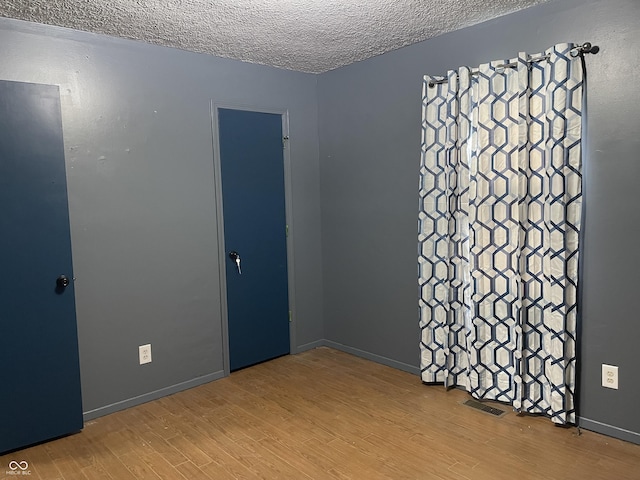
[40, 394]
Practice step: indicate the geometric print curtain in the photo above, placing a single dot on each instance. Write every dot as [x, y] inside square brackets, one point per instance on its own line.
[499, 230]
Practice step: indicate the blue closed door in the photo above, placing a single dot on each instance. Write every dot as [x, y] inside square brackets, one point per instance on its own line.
[40, 382]
[252, 165]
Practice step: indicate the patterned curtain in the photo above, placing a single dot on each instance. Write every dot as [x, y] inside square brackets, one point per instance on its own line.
[499, 229]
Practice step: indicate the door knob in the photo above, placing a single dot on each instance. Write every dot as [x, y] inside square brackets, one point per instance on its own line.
[235, 256]
[62, 281]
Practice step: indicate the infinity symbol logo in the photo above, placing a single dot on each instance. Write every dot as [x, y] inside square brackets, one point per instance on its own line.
[13, 465]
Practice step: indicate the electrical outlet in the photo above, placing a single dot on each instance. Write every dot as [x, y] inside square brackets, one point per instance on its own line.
[610, 376]
[144, 352]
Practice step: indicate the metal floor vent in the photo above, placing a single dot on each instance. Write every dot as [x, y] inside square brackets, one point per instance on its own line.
[485, 408]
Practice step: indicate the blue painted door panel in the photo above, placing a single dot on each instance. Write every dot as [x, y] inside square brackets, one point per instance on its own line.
[40, 382]
[252, 164]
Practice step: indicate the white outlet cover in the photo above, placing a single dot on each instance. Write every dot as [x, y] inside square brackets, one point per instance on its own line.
[610, 376]
[144, 353]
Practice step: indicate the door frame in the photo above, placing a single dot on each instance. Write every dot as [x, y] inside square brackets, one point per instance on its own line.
[219, 211]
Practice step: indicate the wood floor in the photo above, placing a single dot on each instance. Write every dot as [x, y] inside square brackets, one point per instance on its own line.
[324, 414]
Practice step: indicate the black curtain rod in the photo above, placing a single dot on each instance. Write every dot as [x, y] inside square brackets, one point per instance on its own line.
[579, 50]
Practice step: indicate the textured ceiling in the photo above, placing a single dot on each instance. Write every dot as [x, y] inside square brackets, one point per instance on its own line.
[305, 35]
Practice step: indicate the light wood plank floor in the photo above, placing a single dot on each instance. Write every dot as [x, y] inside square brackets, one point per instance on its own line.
[324, 414]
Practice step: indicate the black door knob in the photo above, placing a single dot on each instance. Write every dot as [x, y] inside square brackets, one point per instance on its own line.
[62, 281]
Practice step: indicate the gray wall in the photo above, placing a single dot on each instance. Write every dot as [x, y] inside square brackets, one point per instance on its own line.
[369, 157]
[139, 154]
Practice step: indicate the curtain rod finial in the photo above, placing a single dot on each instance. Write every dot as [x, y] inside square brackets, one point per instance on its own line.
[585, 48]
[591, 49]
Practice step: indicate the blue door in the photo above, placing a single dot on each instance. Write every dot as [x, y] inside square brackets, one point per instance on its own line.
[252, 165]
[40, 382]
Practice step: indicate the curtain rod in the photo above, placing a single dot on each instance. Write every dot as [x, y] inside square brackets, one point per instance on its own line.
[575, 51]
